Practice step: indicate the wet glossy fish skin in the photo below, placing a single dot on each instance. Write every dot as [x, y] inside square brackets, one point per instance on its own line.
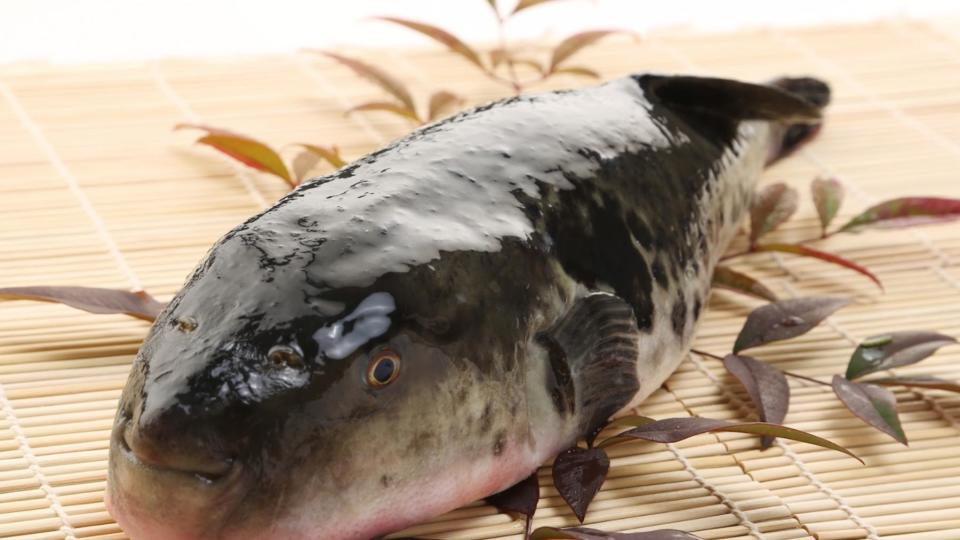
[484, 230]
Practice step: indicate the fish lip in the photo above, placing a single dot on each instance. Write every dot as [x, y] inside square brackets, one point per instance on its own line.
[229, 476]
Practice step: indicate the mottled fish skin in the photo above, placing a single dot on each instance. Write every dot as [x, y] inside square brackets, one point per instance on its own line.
[460, 247]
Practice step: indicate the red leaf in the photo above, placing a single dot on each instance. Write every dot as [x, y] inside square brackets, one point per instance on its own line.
[91, 299]
[918, 381]
[387, 106]
[892, 350]
[827, 197]
[578, 474]
[732, 280]
[805, 251]
[906, 212]
[442, 101]
[772, 206]
[766, 385]
[330, 153]
[246, 150]
[785, 319]
[672, 430]
[874, 405]
[569, 46]
[578, 71]
[452, 42]
[377, 76]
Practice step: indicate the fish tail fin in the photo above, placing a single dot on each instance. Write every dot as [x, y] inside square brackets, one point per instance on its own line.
[792, 136]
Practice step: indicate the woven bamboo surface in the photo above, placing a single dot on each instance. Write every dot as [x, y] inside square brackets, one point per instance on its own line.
[96, 190]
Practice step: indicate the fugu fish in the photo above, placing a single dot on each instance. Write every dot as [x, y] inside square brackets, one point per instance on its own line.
[429, 324]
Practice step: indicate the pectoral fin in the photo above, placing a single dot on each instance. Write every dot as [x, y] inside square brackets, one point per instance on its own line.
[593, 355]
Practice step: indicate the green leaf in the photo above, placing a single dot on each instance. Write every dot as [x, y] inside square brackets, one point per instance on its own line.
[892, 350]
[441, 102]
[137, 304]
[804, 251]
[727, 278]
[766, 385]
[246, 150]
[386, 106]
[451, 41]
[578, 71]
[571, 45]
[329, 153]
[772, 206]
[874, 405]
[827, 198]
[917, 381]
[377, 76]
[785, 319]
[906, 212]
[672, 430]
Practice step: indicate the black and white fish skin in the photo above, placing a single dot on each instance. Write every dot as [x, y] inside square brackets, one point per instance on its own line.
[530, 268]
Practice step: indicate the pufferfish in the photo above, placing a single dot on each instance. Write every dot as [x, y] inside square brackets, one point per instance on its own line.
[429, 324]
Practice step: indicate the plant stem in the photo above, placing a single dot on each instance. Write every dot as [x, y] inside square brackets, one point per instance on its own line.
[787, 373]
[511, 68]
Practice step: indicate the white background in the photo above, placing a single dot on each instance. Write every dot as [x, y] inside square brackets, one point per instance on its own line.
[107, 30]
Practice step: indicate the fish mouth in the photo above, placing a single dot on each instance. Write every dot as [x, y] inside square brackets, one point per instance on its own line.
[206, 470]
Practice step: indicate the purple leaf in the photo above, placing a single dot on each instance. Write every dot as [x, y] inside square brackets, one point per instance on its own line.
[91, 299]
[582, 533]
[917, 381]
[785, 319]
[805, 251]
[894, 350]
[772, 205]
[827, 198]
[671, 430]
[874, 405]
[766, 385]
[521, 498]
[578, 474]
[906, 212]
[726, 278]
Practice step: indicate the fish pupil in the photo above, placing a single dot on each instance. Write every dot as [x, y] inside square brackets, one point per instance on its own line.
[384, 370]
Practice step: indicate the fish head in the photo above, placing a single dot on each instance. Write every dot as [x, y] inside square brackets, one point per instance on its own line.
[262, 405]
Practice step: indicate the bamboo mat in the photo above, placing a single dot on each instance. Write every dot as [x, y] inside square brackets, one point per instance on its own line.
[96, 190]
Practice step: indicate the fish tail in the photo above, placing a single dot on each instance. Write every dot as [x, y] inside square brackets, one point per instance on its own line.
[791, 137]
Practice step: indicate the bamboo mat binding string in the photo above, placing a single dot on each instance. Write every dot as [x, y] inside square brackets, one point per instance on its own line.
[112, 221]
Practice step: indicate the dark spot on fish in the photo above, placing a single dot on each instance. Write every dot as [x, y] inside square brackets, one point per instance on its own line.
[659, 273]
[386, 480]
[486, 419]
[559, 379]
[499, 443]
[678, 317]
[639, 230]
[697, 306]
[420, 442]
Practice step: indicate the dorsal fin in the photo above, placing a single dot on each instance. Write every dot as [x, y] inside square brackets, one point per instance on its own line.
[729, 98]
[594, 350]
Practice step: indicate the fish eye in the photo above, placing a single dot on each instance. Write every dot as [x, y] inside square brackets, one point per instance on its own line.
[384, 368]
[285, 355]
